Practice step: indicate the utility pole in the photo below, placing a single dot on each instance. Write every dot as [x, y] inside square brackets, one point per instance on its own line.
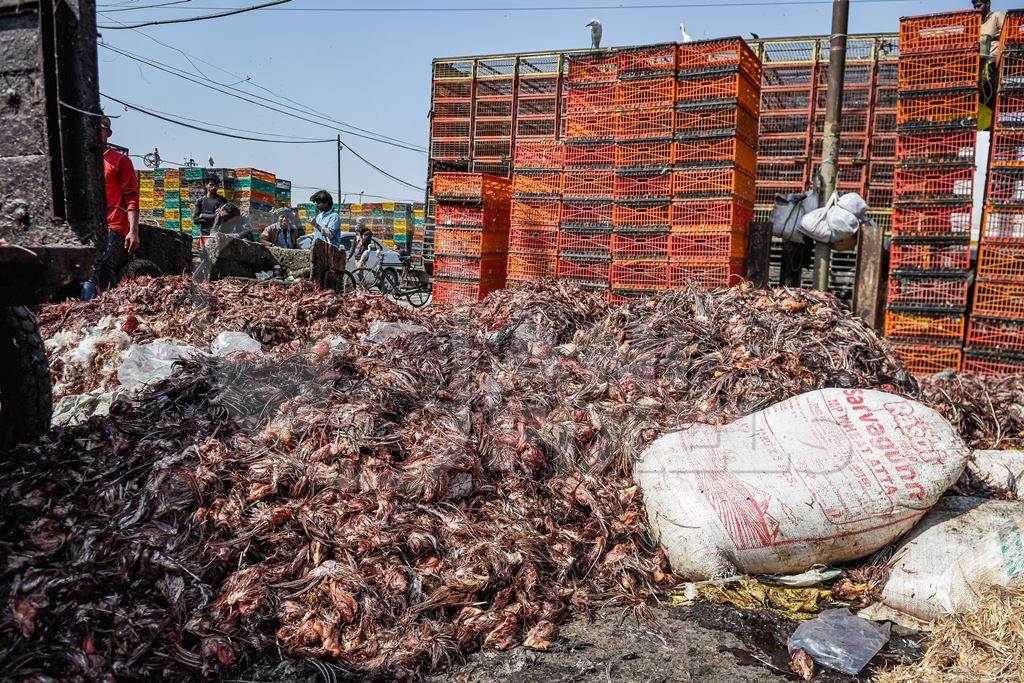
[339, 170]
[830, 140]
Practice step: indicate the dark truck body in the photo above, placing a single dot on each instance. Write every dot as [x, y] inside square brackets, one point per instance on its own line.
[52, 201]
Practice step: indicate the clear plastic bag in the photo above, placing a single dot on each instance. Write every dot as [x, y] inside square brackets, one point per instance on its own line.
[839, 640]
[150, 363]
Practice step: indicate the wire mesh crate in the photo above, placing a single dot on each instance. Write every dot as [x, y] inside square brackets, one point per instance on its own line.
[449, 149]
[927, 293]
[785, 123]
[588, 184]
[650, 184]
[999, 300]
[699, 215]
[579, 213]
[928, 359]
[785, 99]
[638, 245]
[705, 275]
[645, 275]
[707, 247]
[950, 220]
[783, 147]
[924, 325]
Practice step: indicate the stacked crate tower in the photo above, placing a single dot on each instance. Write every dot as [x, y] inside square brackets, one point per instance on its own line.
[929, 264]
[536, 207]
[995, 338]
[471, 237]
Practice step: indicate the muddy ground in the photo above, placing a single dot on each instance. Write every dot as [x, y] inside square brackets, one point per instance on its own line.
[705, 643]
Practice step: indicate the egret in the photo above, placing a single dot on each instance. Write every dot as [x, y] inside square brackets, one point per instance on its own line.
[686, 36]
[595, 33]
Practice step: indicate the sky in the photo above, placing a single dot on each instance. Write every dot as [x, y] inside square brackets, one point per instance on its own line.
[371, 68]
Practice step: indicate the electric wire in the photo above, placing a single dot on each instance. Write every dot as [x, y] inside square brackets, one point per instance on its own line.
[184, 20]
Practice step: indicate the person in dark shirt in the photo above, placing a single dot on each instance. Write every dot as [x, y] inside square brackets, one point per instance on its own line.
[205, 211]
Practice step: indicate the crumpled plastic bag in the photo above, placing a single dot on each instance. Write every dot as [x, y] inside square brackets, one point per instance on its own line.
[838, 221]
[149, 363]
[798, 604]
[839, 640]
[230, 342]
[383, 332]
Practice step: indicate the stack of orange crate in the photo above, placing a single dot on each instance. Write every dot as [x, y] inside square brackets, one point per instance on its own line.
[471, 235]
[536, 207]
[718, 99]
[929, 264]
[995, 338]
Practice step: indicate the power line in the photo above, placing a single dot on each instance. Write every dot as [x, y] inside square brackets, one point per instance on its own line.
[227, 13]
[379, 169]
[130, 9]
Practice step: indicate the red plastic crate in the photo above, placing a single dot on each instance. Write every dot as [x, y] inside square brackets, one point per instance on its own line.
[713, 182]
[699, 215]
[640, 245]
[639, 275]
[589, 155]
[939, 71]
[455, 292]
[646, 60]
[619, 297]
[537, 183]
[928, 293]
[946, 32]
[591, 125]
[1006, 186]
[597, 97]
[926, 325]
[582, 269]
[641, 214]
[992, 366]
[644, 153]
[1013, 29]
[592, 68]
[931, 184]
[645, 124]
[482, 268]
[1000, 263]
[645, 92]
[589, 184]
[708, 55]
[705, 275]
[469, 241]
[643, 184]
[938, 146]
[523, 238]
[1009, 113]
[540, 154]
[1008, 148]
[1004, 335]
[697, 247]
[716, 150]
[584, 212]
[1006, 226]
[926, 359]
[536, 211]
[918, 256]
[472, 187]
[722, 86]
[932, 221]
[472, 215]
[937, 108]
[713, 120]
[531, 267]
[583, 242]
[999, 300]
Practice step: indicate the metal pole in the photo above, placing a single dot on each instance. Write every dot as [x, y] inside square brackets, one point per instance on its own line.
[339, 170]
[830, 140]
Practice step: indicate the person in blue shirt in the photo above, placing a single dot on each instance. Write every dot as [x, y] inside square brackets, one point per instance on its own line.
[326, 224]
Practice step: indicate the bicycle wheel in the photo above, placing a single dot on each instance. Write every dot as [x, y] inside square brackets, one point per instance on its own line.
[388, 283]
[418, 298]
[340, 281]
[365, 279]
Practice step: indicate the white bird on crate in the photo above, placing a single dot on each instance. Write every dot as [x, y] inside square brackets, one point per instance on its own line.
[595, 33]
[686, 36]
[209, 160]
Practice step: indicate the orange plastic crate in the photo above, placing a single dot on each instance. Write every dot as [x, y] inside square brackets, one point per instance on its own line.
[583, 242]
[471, 187]
[1008, 148]
[590, 125]
[643, 184]
[1013, 28]
[917, 256]
[1006, 186]
[485, 215]
[705, 275]
[584, 269]
[641, 214]
[536, 211]
[537, 183]
[639, 275]
[482, 268]
[932, 184]
[936, 108]
[455, 292]
[596, 97]
[700, 215]
[1003, 335]
[523, 238]
[937, 146]
[1003, 226]
[590, 155]
[589, 184]
[645, 92]
[469, 241]
[531, 267]
[592, 68]
[645, 124]
[925, 359]
[594, 213]
[541, 154]
[643, 153]
[713, 181]
[707, 55]
[714, 120]
[946, 32]
[928, 325]
[1000, 263]
[1009, 113]
[709, 150]
[934, 221]
[640, 245]
[992, 366]
[999, 300]
[939, 71]
[928, 293]
[646, 60]
[727, 86]
[619, 297]
[696, 247]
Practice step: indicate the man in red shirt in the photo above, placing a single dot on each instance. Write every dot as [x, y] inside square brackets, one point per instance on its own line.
[122, 218]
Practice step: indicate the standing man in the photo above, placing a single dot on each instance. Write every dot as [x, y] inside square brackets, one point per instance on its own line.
[122, 239]
[991, 29]
[205, 211]
[326, 224]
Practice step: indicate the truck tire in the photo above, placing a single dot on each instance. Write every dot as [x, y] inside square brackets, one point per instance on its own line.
[26, 395]
[139, 268]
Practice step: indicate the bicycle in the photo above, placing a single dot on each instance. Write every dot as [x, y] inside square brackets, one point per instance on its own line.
[412, 285]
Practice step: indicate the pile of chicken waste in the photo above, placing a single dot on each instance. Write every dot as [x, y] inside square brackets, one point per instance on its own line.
[391, 506]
